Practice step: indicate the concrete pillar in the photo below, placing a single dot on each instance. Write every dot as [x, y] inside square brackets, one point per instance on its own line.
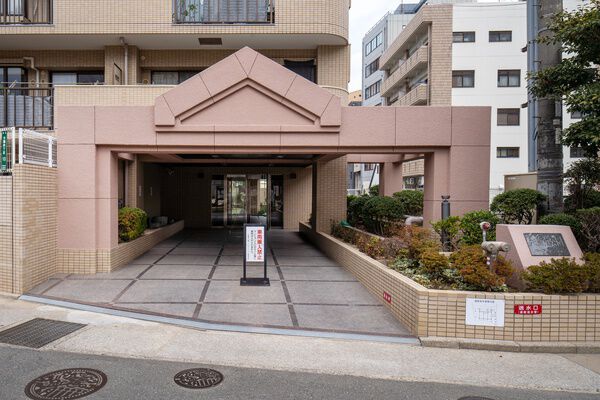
[107, 197]
[114, 65]
[329, 193]
[390, 178]
[437, 167]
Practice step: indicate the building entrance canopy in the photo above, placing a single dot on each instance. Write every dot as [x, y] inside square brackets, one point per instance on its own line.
[249, 110]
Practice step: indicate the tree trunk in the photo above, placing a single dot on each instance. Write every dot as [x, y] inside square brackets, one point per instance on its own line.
[549, 121]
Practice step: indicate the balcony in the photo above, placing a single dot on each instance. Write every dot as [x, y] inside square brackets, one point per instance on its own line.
[416, 97]
[223, 11]
[24, 106]
[408, 69]
[25, 12]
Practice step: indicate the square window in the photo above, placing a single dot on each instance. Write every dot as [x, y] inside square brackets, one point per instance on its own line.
[509, 78]
[508, 116]
[577, 152]
[463, 79]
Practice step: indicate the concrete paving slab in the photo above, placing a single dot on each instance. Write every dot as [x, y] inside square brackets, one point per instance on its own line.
[42, 287]
[189, 259]
[238, 260]
[368, 319]
[146, 259]
[253, 314]
[163, 292]
[176, 309]
[169, 243]
[159, 250]
[316, 274]
[330, 293]
[232, 292]
[305, 261]
[200, 243]
[197, 251]
[298, 251]
[89, 291]
[130, 271]
[235, 272]
[178, 272]
[589, 361]
[233, 251]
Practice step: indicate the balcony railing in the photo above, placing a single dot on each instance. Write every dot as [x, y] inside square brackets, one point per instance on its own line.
[24, 146]
[416, 96]
[406, 70]
[25, 106]
[223, 11]
[25, 12]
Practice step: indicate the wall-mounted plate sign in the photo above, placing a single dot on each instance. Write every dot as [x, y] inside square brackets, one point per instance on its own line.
[484, 312]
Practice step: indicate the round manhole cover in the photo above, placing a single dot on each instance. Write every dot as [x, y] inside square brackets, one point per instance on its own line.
[66, 384]
[198, 378]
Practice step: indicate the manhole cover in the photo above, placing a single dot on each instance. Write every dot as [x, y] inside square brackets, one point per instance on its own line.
[38, 332]
[66, 384]
[198, 378]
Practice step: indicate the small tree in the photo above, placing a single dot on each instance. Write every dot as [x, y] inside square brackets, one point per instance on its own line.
[517, 205]
[582, 178]
[412, 201]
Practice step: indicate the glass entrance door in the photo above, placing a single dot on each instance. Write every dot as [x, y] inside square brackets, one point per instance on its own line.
[258, 205]
[236, 200]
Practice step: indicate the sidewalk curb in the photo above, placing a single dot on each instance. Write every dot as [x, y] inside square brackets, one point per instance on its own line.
[512, 346]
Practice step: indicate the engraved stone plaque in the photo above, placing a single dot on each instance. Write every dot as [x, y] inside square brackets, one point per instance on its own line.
[547, 244]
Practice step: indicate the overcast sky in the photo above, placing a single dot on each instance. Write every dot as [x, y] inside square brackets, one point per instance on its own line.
[363, 15]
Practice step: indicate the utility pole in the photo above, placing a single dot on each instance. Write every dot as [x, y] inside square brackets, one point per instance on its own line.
[548, 118]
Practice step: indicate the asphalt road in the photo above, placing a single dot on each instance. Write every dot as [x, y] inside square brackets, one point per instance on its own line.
[147, 379]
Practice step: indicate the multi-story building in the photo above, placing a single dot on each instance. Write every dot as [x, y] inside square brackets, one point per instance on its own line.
[466, 53]
[46, 43]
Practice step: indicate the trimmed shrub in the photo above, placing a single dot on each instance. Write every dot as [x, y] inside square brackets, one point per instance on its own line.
[562, 219]
[471, 263]
[561, 275]
[379, 212]
[451, 228]
[418, 241]
[412, 200]
[471, 230]
[132, 223]
[590, 228]
[374, 190]
[592, 261]
[355, 209]
[517, 205]
[434, 264]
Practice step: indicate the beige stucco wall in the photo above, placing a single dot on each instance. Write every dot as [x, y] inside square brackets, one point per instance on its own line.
[28, 227]
[119, 17]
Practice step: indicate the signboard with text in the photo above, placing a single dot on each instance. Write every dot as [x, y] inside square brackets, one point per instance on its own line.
[484, 312]
[4, 152]
[528, 309]
[255, 247]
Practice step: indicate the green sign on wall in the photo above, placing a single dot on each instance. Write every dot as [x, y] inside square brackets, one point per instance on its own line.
[4, 155]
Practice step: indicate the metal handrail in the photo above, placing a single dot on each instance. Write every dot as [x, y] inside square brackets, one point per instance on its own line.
[25, 12]
[24, 146]
[26, 106]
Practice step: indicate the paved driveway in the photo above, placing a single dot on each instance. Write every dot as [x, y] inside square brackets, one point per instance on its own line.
[195, 274]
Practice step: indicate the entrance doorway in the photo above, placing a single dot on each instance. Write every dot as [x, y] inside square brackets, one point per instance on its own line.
[247, 198]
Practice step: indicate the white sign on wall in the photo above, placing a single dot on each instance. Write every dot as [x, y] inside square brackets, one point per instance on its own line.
[255, 243]
[485, 312]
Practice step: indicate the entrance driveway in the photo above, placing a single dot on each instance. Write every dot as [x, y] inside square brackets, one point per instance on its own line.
[195, 275]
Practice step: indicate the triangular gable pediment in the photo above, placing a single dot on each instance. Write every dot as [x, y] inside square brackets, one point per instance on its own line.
[247, 92]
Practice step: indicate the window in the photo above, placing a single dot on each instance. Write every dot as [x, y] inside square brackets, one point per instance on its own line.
[463, 79]
[500, 36]
[463, 37]
[577, 152]
[507, 152]
[305, 69]
[372, 68]
[576, 115]
[372, 90]
[509, 78]
[78, 78]
[374, 43]
[171, 77]
[369, 167]
[509, 116]
[10, 75]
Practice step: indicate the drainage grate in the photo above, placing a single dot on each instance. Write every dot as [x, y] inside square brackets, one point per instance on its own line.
[198, 378]
[66, 384]
[38, 332]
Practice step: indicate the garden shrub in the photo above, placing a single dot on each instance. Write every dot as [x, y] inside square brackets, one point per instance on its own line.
[379, 212]
[562, 219]
[355, 210]
[433, 263]
[391, 247]
[592, 261]
[451, 227]
[560, 275]
[471, 262]
[471, 229]
[517, 205]
[374, 190]
[132, 223]
[582, 178]
[418, 241]
[590, 199]
[412, 200]
[590, 228]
